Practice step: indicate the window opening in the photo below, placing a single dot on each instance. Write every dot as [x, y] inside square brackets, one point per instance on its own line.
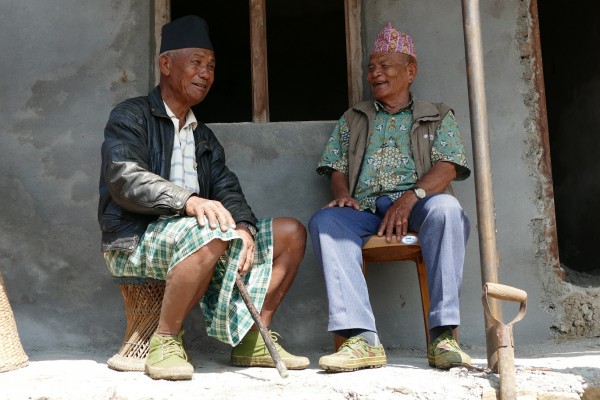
[307, 45]
[306, 49]
[230, 98]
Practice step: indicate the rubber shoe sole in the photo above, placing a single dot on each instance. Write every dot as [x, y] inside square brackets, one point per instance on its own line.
[338, 364]
[440, 363]
[445, 353]
[290, 363]
[177, 373]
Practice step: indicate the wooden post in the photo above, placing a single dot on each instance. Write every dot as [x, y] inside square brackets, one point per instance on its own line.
[162, 15]
[354, 55]
[258, 49]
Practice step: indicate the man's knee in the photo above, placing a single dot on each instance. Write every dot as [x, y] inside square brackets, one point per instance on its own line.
[444, 206]
[323, 217]
[290, 231]
[209, 254]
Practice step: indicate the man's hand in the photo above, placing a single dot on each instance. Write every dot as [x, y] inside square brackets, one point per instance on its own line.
[346, 201]
[247, 255]
[341, 194]
[397, 216]
[212, 210]
[436, 180]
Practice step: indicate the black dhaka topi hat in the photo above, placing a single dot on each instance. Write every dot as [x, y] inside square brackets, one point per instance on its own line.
[186, 32]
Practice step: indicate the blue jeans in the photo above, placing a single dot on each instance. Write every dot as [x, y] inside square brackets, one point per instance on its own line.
[338, 235]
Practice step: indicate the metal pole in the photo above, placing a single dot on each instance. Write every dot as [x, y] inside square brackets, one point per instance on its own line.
[483, 174]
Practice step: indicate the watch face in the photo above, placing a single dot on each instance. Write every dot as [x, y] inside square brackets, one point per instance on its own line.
[420, 192]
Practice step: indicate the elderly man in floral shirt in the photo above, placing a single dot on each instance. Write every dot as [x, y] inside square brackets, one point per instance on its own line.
[390, 163]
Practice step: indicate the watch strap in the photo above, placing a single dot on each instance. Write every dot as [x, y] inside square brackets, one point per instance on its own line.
[251, 228]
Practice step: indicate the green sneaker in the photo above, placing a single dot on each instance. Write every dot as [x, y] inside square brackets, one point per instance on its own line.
[355, 353]
[253, 352]
[445, 353]
[167, 358]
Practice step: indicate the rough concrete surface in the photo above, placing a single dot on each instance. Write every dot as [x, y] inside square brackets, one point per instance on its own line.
[557, 370]
[62, 86]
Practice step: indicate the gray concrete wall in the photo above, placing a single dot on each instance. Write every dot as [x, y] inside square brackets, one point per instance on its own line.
[65, 65]
[62, 75]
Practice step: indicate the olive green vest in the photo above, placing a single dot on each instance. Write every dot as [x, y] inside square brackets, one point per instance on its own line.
[426, 119]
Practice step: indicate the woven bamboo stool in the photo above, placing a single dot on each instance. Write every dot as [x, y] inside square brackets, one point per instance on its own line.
[143, 300]
[12, 355]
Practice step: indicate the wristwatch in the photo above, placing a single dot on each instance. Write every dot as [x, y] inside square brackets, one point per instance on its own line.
[420, 192]
[250, 228]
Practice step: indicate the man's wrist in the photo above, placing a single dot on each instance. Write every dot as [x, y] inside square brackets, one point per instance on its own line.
[184, 211]
[251, 228]
[419, 192]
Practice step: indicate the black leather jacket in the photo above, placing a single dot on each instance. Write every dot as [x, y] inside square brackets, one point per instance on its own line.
[136, 162]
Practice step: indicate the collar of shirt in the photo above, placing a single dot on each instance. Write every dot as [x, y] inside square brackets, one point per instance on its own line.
[190, 118]
[380, 108]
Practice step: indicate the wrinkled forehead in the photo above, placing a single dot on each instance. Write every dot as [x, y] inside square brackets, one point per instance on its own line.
[379, 58]
[187, 54]
[197, 53]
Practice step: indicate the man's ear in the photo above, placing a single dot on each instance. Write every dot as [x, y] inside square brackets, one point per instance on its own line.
[164, 64]
[412, 70]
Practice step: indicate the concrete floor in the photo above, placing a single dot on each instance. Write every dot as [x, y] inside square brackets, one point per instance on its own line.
[554, 370]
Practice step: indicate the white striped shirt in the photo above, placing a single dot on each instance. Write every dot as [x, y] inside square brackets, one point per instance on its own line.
[183, 160]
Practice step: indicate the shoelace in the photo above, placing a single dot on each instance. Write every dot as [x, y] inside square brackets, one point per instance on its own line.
[275, 337]
[348, 343]
[450, 342]
[172, 347]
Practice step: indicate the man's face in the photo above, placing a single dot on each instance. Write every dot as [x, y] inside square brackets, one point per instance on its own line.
[390, 75]
[192, 73]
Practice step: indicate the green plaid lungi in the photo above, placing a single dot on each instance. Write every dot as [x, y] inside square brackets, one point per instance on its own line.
[168, 241]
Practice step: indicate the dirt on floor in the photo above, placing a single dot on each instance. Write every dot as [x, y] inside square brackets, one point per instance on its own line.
[554, 370]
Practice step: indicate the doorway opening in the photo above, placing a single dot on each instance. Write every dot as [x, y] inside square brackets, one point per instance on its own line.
[571, 62]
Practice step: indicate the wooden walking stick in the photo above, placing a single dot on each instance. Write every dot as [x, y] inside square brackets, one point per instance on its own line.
[283, 372]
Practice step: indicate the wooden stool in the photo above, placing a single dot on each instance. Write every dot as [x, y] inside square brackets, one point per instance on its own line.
[143, 301]
[12, 355]
[376, 249]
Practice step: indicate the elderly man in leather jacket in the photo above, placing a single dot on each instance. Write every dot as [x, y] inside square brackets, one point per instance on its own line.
[170, 209]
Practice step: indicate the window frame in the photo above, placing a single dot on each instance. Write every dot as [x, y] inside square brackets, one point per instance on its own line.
[258, 47]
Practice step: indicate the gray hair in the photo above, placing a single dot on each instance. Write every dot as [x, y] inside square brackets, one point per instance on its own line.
[172, 53]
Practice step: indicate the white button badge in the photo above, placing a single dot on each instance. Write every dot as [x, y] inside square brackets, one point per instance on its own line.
[409, 239]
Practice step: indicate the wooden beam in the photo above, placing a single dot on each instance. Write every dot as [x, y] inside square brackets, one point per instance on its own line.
[258, 49]
[354, 54]
[162, 15]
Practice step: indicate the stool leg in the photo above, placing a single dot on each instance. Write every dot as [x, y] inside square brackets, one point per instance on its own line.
[337, 342]
[422, 273]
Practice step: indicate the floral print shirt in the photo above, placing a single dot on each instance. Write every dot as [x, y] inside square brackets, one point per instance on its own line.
[388, 166]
